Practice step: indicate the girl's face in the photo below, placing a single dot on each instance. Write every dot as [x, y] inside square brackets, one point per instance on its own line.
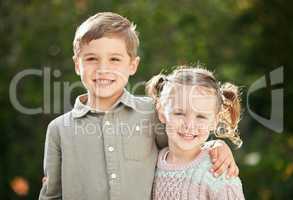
[189, 113]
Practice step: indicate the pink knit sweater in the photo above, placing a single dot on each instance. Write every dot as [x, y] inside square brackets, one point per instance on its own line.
[193, 181]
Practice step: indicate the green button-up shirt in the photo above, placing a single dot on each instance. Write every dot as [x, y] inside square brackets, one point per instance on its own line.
[92, 155]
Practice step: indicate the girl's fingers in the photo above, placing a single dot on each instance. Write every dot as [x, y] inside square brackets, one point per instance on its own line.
[221, 158]
[236, 171]
[221, 167]
[231, 170]
[214, 154]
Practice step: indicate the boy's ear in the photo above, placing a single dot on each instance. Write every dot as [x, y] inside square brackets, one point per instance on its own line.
[134, 65]
[76, 65]
[160, 112]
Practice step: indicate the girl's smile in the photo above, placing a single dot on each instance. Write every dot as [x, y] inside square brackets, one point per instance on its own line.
[187, 136]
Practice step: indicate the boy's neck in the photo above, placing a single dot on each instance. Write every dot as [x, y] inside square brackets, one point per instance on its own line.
[103, 104]
[180, 156]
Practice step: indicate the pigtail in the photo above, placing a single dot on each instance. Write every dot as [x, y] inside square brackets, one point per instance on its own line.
[155, 85]
[231, 102]
[229, 115]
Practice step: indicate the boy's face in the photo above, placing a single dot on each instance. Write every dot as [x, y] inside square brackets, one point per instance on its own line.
[105, 66]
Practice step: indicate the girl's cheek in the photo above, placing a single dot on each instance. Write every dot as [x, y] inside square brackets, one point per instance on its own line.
[172, 128]
[203, 129]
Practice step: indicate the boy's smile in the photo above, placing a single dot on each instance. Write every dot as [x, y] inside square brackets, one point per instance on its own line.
[104, 66]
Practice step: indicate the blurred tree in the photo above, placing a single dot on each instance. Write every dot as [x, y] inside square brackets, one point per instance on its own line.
[241, 40]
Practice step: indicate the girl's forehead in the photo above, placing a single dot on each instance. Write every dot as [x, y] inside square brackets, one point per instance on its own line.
[194, 98]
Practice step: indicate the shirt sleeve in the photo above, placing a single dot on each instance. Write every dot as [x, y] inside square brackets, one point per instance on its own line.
[51, 188]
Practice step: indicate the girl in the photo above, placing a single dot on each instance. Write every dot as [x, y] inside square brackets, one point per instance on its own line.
[191, 103]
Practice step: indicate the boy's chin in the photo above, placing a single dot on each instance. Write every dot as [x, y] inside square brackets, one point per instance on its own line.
[108, 94]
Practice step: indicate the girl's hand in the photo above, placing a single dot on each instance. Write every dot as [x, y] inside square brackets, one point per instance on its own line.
[223, 160]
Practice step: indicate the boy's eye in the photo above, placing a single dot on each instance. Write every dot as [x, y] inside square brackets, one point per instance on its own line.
[115, 59]
[91, 59]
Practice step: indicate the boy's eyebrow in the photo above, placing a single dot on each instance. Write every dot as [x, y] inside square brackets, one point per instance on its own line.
[116, 54]
[89, 54]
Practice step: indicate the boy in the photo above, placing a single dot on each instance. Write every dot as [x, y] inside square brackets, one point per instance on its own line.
[106, 147]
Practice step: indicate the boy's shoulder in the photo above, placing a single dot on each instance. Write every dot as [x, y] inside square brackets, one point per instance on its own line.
[141, 98]
[143, 102]
[61, 121]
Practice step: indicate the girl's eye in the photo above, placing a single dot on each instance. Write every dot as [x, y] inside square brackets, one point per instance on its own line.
[201, 117]
[115, 59]
[179, 113]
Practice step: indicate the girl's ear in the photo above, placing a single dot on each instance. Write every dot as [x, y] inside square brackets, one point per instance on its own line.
[76, 65]
[134, 64]
[160, 111]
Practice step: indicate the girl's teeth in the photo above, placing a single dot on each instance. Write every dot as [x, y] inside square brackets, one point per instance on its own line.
[186, 135]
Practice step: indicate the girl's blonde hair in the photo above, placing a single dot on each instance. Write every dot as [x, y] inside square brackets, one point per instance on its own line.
[228, 101]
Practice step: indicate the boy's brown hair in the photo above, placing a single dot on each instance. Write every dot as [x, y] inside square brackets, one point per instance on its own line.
[106, 24]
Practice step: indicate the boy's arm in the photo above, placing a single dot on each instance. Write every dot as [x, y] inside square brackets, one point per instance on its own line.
[51, 188]
[222, 159]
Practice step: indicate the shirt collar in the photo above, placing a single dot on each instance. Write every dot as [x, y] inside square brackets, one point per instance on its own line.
[80, 108]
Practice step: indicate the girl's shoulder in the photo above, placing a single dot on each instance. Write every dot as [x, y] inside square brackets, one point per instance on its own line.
[220, 181]
[200, 163]
[206, 164]
[216, 186]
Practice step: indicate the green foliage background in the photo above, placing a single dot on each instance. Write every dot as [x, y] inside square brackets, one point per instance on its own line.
[240, 40]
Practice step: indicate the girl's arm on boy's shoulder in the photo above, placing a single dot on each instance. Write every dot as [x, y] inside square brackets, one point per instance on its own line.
[222, 158]
[51, 188]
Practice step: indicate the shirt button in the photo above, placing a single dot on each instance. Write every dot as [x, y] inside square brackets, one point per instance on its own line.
[113, 176]
[107, 123]
[137, 128]
[111, 148]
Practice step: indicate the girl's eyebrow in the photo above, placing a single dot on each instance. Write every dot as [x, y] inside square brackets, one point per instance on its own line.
[204, 113]
[178, 109]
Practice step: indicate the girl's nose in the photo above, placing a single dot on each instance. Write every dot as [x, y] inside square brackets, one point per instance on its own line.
[190, 124]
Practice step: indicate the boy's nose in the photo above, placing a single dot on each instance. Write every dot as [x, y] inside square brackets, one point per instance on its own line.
[102, 66]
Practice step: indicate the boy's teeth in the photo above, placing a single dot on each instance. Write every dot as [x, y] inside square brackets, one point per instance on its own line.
[104, 81]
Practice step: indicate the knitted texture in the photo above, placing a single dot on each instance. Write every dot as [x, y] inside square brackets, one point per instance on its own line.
[193, 181]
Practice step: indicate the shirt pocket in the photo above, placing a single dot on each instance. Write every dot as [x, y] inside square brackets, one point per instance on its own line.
[137, 144]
